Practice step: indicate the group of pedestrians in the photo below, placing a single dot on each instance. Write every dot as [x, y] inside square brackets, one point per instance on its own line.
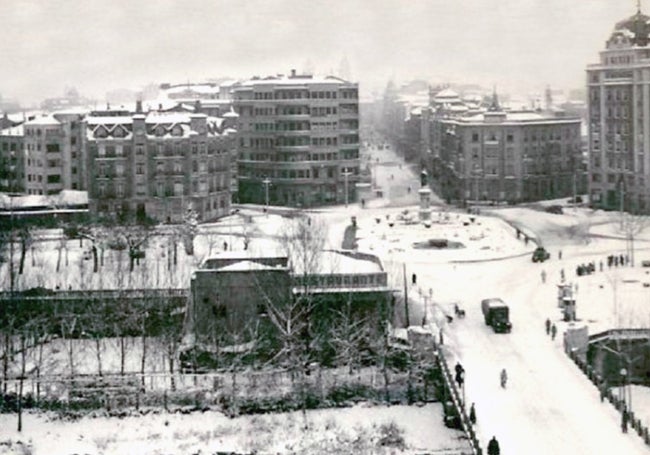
[551, 329]
[616, 260]
[613, 260]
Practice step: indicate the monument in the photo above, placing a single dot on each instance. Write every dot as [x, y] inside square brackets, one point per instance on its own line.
[425, 197]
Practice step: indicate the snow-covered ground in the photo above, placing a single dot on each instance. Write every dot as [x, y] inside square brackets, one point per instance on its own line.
[337, 431]
[549, 405]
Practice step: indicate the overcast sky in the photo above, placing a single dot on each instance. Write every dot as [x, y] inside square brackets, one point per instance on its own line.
[97, 46]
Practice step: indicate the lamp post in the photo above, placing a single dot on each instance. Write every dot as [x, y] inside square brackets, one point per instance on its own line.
[266, 183]
[346, 174]
[476, 171]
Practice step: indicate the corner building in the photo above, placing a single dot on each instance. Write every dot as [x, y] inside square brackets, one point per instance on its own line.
[299, 140]
[619, 119]
[507, 157]
[159, 164]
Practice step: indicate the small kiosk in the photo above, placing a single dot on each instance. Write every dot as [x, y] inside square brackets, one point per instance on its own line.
[566, 301]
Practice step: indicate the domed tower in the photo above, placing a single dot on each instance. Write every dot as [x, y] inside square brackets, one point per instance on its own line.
[618, 89]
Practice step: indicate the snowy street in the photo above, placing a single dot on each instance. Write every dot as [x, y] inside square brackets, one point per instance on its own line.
[549, 405]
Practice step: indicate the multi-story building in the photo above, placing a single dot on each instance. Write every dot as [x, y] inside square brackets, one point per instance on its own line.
[159, 164]
[619, 119]
[43, 155]
[12, 160]
[502, 156]
[299, 140]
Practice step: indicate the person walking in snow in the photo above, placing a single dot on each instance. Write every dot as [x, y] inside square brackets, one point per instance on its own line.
[472, 414]
[543, 277]
[559, 255]
[553, 332]
[504, 378]
[548, 326]
[493, 447]
[562, 275]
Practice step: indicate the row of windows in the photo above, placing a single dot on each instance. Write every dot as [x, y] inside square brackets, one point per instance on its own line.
[534, 135]
[329, 172]
[297, 157]
[338, 280]
[162, 189]
[304, 94]
[12, 146]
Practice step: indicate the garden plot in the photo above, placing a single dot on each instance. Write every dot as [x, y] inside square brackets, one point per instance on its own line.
[360, 429]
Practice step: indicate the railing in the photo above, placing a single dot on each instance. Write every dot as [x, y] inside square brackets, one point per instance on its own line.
[459, 404]
[607, 393]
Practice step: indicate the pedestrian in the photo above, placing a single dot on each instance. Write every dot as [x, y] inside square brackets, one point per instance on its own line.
[601, 266]
[543, 277]
[472, 414]
[625, 417]
[493, 447]
[225, 246]
[442, 339]
[548, 326]
[553, 331]
[414, 278]
[560, 255]
[562, 275]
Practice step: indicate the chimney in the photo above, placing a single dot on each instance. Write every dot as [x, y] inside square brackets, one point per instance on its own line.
[138, 107]
[293, 73]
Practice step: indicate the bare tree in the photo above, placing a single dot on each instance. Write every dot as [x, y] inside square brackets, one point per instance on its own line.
[631, 226]
[349, 335]
[135, 237]
[26, 238]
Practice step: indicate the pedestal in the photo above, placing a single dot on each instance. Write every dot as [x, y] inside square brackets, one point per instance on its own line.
[425, 202]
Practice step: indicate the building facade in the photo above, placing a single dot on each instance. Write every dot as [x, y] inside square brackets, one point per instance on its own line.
[507, 157]
[12, 159]
[159, 165]
[619, 119]
[299, 140]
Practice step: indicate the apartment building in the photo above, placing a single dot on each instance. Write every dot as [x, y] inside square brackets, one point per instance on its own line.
[619, 119]
[159, 164]
[500, 156]
[298, 140]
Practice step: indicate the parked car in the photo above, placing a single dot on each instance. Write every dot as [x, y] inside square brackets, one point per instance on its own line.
[540, 254]
[556, 209]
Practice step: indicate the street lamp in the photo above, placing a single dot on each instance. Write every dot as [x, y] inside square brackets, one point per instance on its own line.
[266, 183]
[476, 171]
[346, 174]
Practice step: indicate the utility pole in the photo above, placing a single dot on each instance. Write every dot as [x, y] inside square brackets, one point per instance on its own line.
[266, 183]
[575, 191]
[406, 297]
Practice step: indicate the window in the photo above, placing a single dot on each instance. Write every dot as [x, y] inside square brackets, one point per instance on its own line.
[119, 169]
[52, 148]
[139, 169]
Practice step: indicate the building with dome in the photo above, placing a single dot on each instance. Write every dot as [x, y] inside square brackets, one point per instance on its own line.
[619, 118]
